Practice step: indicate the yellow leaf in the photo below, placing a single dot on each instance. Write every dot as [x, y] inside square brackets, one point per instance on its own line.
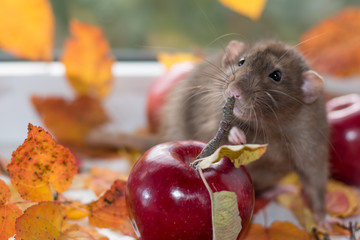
[76, 232]
[168, 59]
[88, 61]
[42, 221]
[238, 154]
[227, 221]
[76, 211]
[252, 9]
[26, 28]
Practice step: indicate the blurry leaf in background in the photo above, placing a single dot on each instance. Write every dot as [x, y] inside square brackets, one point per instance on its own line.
[333, 45]
[169, 59]
[277, 231]
[109, 211]
[252, 9]
[88, 60]
[70, 120]
[8, 215]
[77, 232]
[40, 165]
[27, 28]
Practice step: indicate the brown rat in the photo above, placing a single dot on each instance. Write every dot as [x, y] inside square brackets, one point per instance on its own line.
[278, 101]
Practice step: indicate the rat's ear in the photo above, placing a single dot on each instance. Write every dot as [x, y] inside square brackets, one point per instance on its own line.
[312, 86]
[232, 52]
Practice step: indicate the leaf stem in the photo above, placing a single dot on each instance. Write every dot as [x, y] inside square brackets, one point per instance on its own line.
[211, 200]
[223, 130]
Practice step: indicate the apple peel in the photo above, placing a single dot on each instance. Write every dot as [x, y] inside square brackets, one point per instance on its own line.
[238, 154]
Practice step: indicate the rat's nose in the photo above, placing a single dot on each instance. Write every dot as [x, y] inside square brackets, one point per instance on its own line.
[233, 91]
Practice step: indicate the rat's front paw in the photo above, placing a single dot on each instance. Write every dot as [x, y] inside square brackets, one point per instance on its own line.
[236, 136]
[326, 221]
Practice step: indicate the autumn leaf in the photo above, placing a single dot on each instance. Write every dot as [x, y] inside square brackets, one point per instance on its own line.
[70, 121]
[76, 232]
[40, 164]
[27, 28]
[75, 210]
[4, 193]
[277, 231]
[8, 215]
[87, 60]
[169, 59]
[101, 179]
[341, 201]
[252, 9]
[42, 221]
[109, 210]
[127, 229]
[333, 45]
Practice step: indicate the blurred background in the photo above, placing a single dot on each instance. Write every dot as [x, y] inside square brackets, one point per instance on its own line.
[137, 30]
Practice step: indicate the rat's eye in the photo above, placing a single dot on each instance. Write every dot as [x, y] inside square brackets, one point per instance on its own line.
[241, 62]
[275, 75]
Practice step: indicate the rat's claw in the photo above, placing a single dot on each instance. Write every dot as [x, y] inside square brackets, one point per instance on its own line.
[327, 221]
[236, 136]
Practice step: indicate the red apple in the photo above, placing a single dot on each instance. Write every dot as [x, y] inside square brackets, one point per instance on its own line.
[344, 119]
[167, 199]
[160, 88]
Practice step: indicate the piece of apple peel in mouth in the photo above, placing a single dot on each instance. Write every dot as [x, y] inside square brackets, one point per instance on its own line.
[168, 198]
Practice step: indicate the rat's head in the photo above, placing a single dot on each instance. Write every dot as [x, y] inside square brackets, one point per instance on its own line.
[268, 78]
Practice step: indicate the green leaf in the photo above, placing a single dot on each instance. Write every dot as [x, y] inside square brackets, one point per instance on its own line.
[227, 221]
[238, 154]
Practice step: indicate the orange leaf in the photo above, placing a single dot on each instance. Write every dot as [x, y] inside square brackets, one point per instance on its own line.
[76, 232]
[169, 59]
[8, 215]
[4, 193]
[127, 229]
[251, 9]
[101, 179]
[70, 121]
[110, 209]
[42, 221]
[333, 45]
[277, 231]
[40, 163]
[26, 28]
[87, 60]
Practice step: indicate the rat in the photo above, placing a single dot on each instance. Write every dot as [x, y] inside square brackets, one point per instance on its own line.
[278, 101]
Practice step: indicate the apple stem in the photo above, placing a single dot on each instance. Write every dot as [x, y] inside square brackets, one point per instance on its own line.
[223, 131]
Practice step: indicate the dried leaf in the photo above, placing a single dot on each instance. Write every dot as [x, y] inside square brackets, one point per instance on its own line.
[88, 61]
[101, 179]
[227, 221]
[75, 211]
[252, 9]
[110, 209]
[168, 59]
[26, 28]
[76, 232]
[42, 221]
[4, 193]
[127, 229]
[238, 154]
[39, 164]
[70, 121]
[8, 215]
[277, 231]
[333, 45]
